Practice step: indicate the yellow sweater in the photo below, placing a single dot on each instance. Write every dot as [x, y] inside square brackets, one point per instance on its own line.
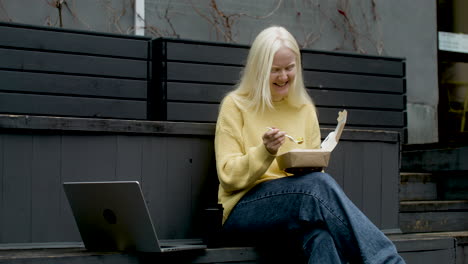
[242, 160]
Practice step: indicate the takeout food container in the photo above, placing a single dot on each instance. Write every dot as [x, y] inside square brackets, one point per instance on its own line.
[314, 158]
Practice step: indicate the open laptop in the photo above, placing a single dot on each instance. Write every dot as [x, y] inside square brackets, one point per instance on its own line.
[113, 216]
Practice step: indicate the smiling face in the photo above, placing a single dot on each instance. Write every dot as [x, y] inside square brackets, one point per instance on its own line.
[283, 72]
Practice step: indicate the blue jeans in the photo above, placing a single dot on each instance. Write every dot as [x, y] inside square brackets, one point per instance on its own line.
[309, 211]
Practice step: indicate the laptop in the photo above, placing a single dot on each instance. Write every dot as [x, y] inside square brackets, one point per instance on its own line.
[113, 216]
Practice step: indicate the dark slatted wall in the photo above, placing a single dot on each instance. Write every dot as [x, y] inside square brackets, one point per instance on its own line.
[56, 72]
[193, 77]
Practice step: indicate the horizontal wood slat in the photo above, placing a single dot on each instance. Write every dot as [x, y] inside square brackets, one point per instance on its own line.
[182, 111]
[345, 81]
[313, 60]
[40, 38]
[193, 52]
[344, 99]
[72, 64]
[214, 93]
[71, 106]
[205, 73]
[31, 82]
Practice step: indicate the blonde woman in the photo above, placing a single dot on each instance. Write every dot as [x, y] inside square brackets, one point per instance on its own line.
[261, 203]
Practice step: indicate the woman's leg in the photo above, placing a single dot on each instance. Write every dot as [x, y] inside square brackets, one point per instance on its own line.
[298, 205]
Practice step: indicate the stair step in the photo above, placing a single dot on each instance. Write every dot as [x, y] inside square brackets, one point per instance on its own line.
[433, 216]
[417, 186]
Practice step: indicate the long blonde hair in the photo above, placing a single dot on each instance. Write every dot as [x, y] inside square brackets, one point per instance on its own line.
[253, 89]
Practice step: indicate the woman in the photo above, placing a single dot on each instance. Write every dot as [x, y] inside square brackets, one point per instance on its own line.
[262, 203]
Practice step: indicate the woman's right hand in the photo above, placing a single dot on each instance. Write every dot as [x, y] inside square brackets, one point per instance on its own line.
[273, 139]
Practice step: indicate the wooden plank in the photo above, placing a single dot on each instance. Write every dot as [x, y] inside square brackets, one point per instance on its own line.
[71, 106]
[206, 52]
[26, 60]
[353, 164]
[204, 184]
[129, 158]
[30, 37]
[330, 81]
[430, 257]
[44, 83]
[390, 181]
[204, 73]
[177, 111]
[214, 93]
[327, 61]
[16, 191]
[372, 179]
[155, 175]
[84, 158]
[364, 118]
[192, 112]
[46, 188]
[210, 93]
[179, 172]
[345, 99]
[336, 168]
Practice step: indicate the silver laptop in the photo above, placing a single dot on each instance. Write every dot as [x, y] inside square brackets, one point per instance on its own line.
[113, 216]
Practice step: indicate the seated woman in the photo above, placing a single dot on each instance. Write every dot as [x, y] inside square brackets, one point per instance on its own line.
[262, 203]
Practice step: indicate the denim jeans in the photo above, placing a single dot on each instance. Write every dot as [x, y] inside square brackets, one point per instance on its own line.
[309, 211]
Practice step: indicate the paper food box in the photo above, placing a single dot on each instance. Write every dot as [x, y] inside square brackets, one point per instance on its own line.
[313, 158]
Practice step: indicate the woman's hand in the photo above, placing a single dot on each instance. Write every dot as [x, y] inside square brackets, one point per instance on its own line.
[273, 139]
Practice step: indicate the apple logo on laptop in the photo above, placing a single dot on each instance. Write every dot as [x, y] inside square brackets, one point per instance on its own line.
[109, 216]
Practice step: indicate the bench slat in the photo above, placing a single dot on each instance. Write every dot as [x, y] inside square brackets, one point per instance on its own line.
[30, 37]
[72, 64]
[31, 82]
[71, 106]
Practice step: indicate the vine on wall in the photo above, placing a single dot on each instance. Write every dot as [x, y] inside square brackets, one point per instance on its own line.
[355, 23]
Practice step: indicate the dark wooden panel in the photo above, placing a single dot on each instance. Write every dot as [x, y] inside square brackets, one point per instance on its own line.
[336, 168]
[327, 116]
[345, 99]
[42, 38]
[390, 180]
[211, 93]
[364, 118]
[46, 188]
[72, 64]
[325, 80]
[372, 189]
[71, 106]
[72, 85]
[16, 191]
[155, 175]
[84, 158]
[205, 52]
[205, 73]
[353, 180]
[214, 93]
[192, 112]
[324, 61]
[446, 256]
[129, 158]
[178, 185]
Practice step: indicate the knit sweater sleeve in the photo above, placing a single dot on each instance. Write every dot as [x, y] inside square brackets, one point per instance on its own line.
[238, 168]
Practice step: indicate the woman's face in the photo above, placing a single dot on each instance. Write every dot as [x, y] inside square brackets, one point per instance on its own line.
[282, 74]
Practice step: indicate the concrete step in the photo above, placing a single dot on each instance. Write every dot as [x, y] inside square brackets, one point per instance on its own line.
[417, 186]
[433, 216]
[448, 185]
